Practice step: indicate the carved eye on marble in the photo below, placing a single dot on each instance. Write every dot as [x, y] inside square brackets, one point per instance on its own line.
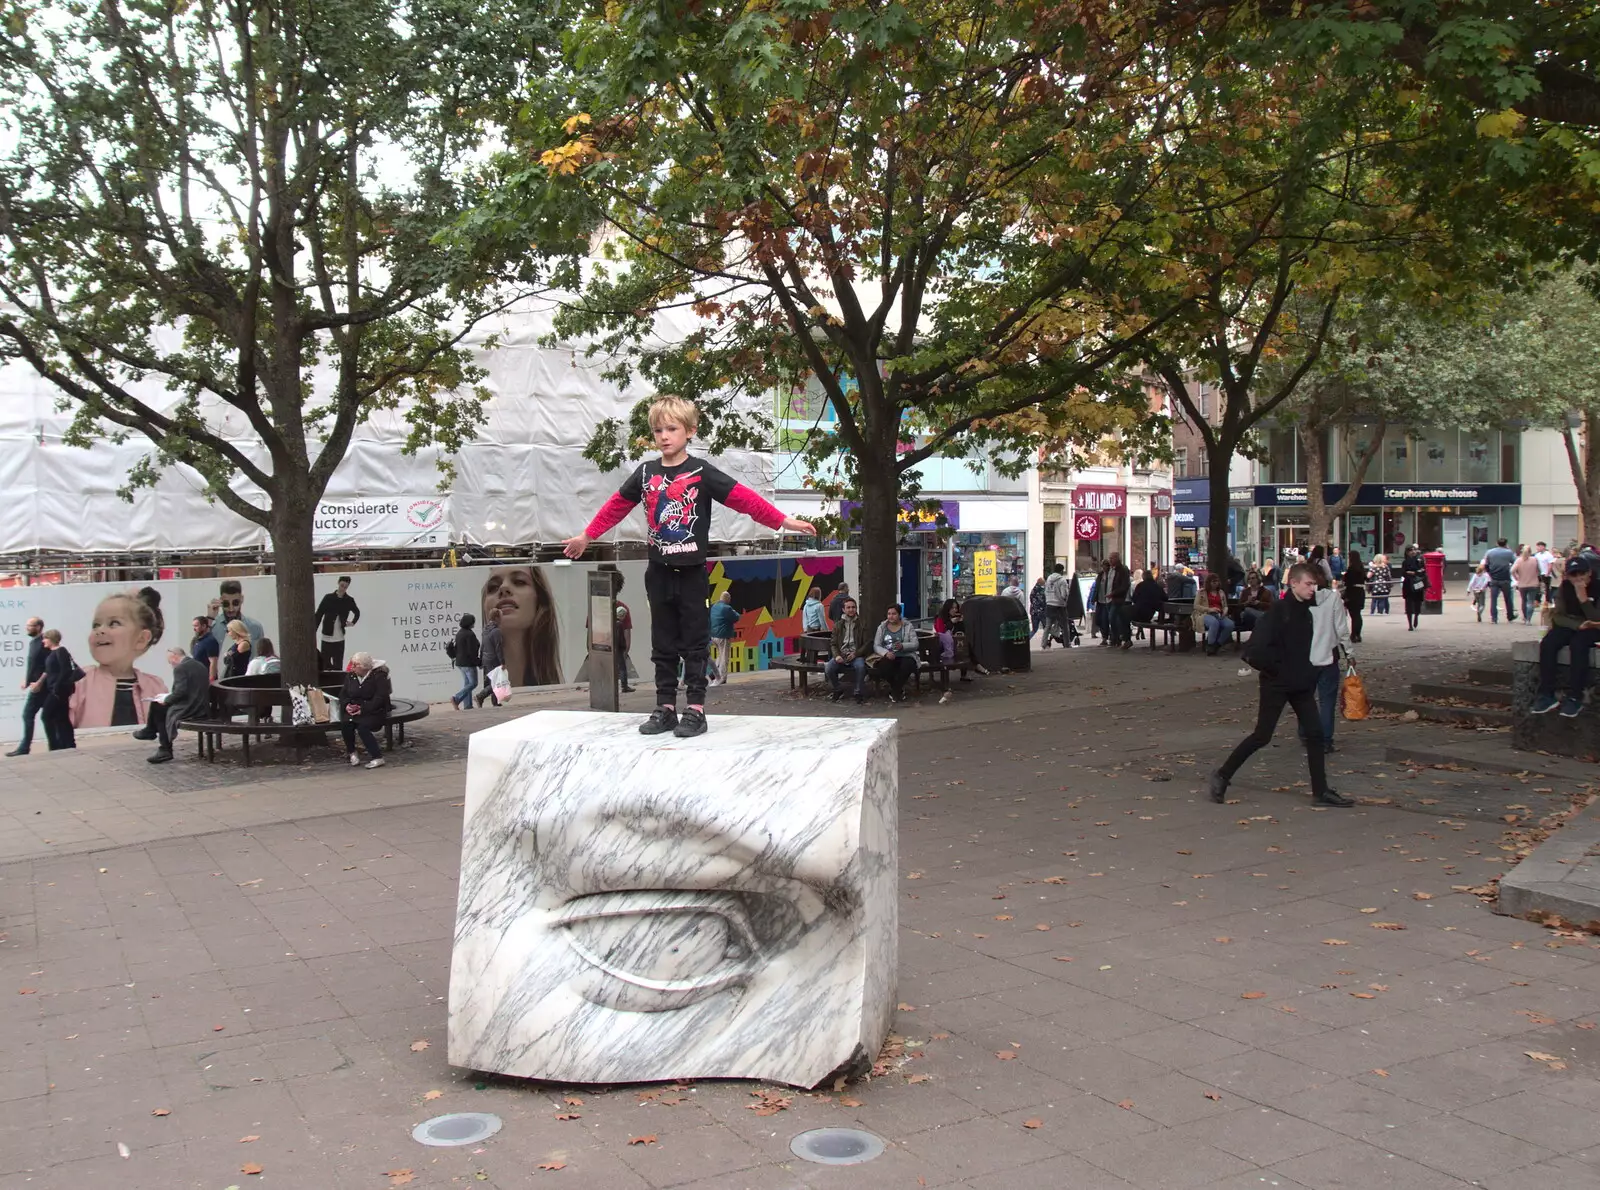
[659, 950]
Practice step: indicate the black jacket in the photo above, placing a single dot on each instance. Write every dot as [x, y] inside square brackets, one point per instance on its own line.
[1412, 569]
[336, 608]
[467, 655]
[60, 673]
[1149, 597]
[1118, 580]
[371, 694]
[1280, 645]
[36, 657]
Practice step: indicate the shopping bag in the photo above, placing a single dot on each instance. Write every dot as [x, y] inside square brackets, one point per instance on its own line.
[319, 704]
[299, 706]
[500, 683]
[1356, 705]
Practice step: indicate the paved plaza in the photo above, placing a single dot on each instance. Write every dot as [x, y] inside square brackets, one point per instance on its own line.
[221, 977]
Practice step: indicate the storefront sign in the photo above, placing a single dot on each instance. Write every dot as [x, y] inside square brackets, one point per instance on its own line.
[1191, 516]
[1245, 496]
[1086, 527]
[1105, 501]
[983, 572]
[920, 522]
[1482, 494]
[1191, 491]
[401, 521]
[1160, 503]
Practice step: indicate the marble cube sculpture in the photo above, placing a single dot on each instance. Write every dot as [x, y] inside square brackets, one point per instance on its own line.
[635, 908]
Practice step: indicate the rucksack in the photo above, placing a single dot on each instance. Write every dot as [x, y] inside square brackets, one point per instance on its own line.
[450, 649]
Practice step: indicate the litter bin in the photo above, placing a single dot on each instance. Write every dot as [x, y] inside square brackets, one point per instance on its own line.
[1433, 595]
[997, 632]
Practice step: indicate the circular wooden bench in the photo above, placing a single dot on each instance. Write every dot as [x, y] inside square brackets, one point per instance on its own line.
[301, 736]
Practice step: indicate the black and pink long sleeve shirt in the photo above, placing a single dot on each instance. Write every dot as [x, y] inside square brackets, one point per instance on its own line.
[677, 508]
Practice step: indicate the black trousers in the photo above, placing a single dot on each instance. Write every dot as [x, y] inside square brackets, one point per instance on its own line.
[369, 739]
[1554, 641]
[57, 723]
[896, 670]
[1273, 699]
[331, 654]
[30, 707]
[680, 629]
[1355, 618]
[155, 718]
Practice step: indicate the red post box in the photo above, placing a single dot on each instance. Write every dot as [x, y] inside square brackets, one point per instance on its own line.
[1433, 596]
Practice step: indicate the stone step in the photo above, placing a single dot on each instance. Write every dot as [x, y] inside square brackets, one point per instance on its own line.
[1488, 696]
[1435, 713]
[1490, 677]
[1517, 762]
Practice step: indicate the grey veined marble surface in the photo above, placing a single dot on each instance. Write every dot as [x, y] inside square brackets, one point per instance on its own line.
[637, 907]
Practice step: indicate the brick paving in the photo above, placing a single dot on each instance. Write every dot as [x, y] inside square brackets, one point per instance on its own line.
[1185, 995]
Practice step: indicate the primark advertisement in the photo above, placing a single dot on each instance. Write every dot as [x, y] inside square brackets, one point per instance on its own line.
[121, 632]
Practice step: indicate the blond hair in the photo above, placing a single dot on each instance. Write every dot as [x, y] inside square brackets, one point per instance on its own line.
[669, 408]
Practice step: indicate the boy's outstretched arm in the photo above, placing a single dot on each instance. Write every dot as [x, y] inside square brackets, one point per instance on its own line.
[764, 512]
[609, 516]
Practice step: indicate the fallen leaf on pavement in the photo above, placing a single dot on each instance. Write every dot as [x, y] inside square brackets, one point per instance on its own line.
[1421, 896]
[572, 1101]
[1222, 938]
[399, 1177]
[1369, 911]
[569, 1115]
[432, 1095]
[161, 1111]
[1041, 926]
[1063, 958]
[1126, 1105]
[904, 1007]
[1363, 995]
[1033, 1123]
[642, 1140]
[1212, 1095]
[1380, 1072]
[1387, 925]
[1335, 942]
[1006, 1055]
[553, 1165]
[1252, 995]
[1585, 1024]
[849, 1103]
[418, 1046]
[919, 1078]
[250, 1169]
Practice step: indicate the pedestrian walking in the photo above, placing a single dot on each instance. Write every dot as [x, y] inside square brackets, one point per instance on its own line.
[61, 677]
[724, 619]
[1548, 570]
[1379, 581]
[1329, 639]
[1280, 648]
[1525, 577]
[33, 683]
[1118, 586]
[813, 616]
[1036, 610]
[1355, 593]
[1055, 601]
[465, 652]
[492, 653]
[1414, 583]
[1478, 590]
[1499, 562]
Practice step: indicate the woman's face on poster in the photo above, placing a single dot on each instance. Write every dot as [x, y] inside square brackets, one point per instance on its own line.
[115, 635]
[510, 590]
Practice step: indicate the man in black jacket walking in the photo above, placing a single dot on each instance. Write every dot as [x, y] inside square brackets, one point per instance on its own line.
[1280, 647]
[61, 675]
[33, 683]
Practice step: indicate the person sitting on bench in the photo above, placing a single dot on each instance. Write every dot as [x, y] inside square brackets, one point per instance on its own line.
[895, 648]
[1149, 597]
[189, 698]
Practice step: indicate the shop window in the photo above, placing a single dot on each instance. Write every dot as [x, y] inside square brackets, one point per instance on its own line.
[1356, 440]
[1398, 464]
[1282, 461]
[1180, 462]
[1510, 448]
[1479, 457]
[1437, 456]
[1563, 531]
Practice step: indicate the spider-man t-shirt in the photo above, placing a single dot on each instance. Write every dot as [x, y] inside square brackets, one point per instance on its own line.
[677, 507]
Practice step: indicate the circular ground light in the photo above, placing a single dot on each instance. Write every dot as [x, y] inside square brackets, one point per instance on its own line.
[836, 1146]
[458, 1128]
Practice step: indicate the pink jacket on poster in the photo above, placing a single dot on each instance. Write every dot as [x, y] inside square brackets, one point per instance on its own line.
[95, 696]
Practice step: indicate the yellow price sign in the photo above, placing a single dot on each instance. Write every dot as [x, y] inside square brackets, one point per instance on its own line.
[983, 572]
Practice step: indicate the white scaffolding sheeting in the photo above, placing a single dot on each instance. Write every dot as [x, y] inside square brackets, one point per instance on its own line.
[523, 480]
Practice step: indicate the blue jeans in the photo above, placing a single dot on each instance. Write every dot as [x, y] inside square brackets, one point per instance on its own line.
[1498, 588]
[1530, 600]
[1327, 691]
[469, 683]
[835, 667]
[1218, 628]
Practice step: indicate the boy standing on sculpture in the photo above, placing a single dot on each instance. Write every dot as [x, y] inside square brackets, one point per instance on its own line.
[676, 491]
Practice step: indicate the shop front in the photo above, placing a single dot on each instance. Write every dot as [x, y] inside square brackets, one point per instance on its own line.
[1191, 520]
[1098, 514]
[1463, 520]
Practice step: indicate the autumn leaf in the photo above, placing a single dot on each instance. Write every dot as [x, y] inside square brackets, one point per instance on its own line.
[1585, 1024]
[1252, 995]
[1222, 938]
[1421, 896]
[1369, 911]
[1041, 926]
[1335, 942]
[1380, 1072]
[1126, 1105]
[572, 1101]
[399, 1177]
[919, 1078]
[1063, 958]
[1213, 1096]
[1540, 1056]
[245, 1140]
[552, 1166]
[850, 1103]
[250, 1168]
[1006, 1055]
[642, 1140]
[1363, 995]
[160, 1111]
[432, 1095]
[1033, 1123]
[1387, 925]
[1002, 917]
[418, 1046]
[904, 1007]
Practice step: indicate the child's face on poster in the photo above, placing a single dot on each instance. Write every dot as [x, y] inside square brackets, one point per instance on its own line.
[115, 636]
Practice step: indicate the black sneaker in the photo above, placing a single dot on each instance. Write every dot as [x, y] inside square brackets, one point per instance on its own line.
[1217, 786]
[159, 758]
[694, 723]
[1331, 797]
[860, 698]
[836, 696]
[662, 719]
[145, 733]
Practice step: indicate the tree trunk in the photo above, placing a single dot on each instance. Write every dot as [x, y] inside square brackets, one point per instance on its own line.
[880, 539]
[1218, 458]
[1319, 515]
[292, 519]
[1585, 469]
